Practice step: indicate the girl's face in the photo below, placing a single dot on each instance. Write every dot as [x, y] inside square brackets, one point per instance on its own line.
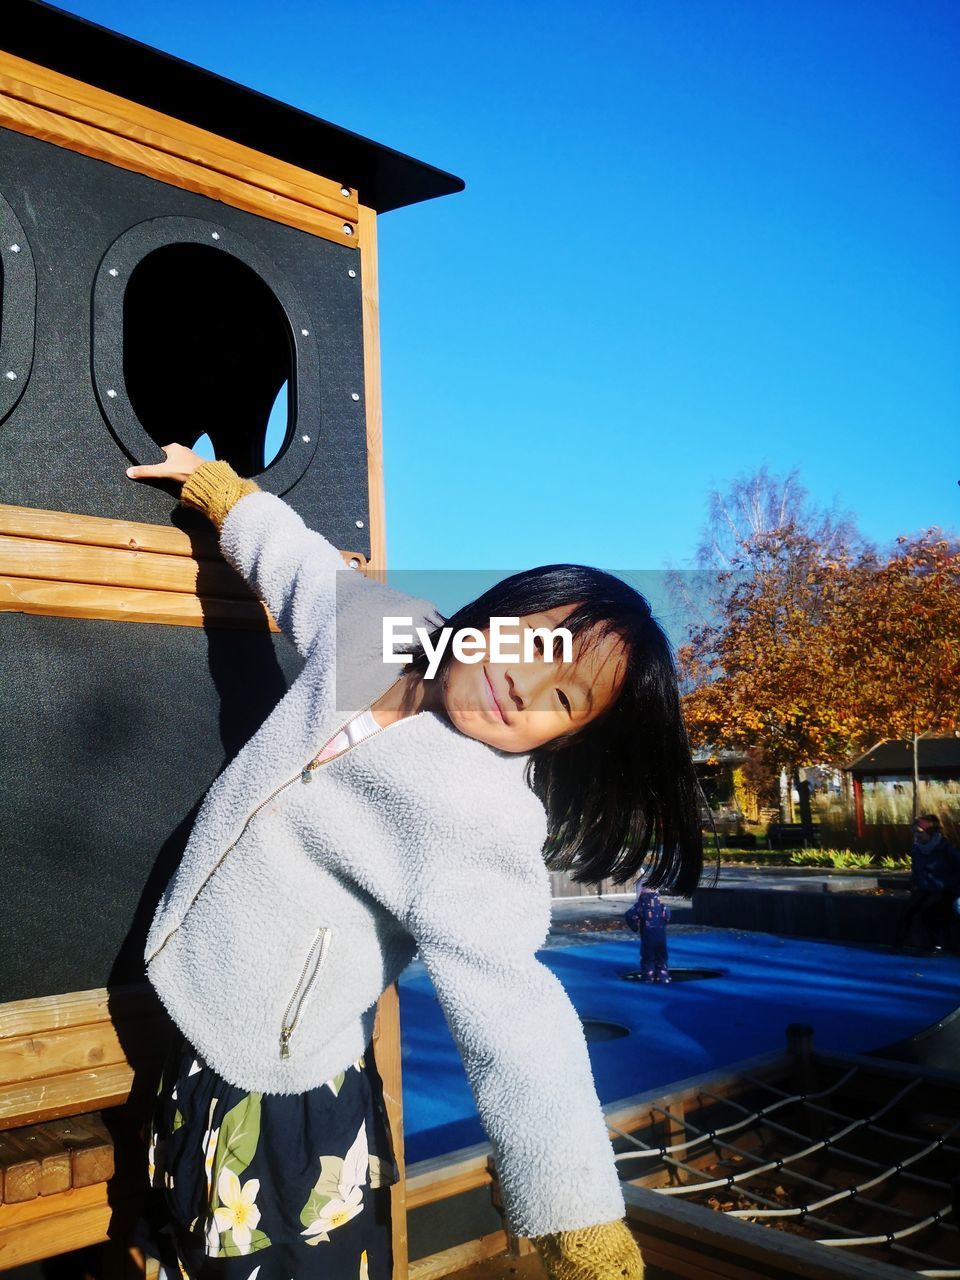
[517, 706]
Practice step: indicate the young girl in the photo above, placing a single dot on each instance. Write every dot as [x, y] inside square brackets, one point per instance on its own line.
[338, 843]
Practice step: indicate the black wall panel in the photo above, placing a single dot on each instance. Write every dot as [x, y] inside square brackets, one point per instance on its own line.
[112, 731]
[57, 449]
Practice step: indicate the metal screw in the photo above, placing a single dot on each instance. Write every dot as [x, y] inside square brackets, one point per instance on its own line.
[305, 439]
[344, 191]
[215, 235]
[352, 274]
[347, 229]
[112, 394]
[305, 332]
[354, 396]
[113, 272]
[14, 248]
[11, 376]
[358, 523]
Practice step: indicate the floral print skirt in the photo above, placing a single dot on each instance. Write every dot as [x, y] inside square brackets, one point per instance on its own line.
[250, 1186]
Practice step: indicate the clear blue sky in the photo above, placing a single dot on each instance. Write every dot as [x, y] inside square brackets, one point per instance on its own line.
[697, 236]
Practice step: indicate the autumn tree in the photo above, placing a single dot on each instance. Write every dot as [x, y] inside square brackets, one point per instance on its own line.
[818, 647]
[899, 638]
[763, 674]
[771, 566]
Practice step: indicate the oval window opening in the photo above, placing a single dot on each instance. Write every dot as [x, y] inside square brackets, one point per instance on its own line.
[207, 357]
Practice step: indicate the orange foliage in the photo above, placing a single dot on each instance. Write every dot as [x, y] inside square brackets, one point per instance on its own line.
[815, 654]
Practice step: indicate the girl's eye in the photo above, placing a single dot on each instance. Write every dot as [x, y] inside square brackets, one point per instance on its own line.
[538, 645]
[564, 700]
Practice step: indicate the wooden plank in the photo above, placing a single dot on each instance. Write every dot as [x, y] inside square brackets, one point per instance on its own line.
[55, 561]
[125, 153]
[449, 1261]
[33, 1101]
[98, 531]
[59, 564]
[88, 1145]
[76, 1009]
[426, 1188]
[51, 1156]
[15, 1216]
[692, 1264]
[21, 1170]
[126, 604]
[51, 1225]
[373, 395]
[53, 1053]
[768, 1253]
[386, 1047]
[387, 1029]
[65, 96]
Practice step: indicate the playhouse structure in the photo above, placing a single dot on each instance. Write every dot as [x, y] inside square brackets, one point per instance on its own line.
[180, 257]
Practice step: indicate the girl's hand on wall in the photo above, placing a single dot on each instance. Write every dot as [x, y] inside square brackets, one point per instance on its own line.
[180, 464]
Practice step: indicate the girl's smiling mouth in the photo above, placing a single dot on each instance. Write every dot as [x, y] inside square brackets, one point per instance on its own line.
[494, 704]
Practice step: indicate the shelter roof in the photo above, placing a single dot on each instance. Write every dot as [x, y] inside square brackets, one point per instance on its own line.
[384, 179]
[895, 757]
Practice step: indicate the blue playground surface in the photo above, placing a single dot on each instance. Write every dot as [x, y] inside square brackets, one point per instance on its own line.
[857, 999]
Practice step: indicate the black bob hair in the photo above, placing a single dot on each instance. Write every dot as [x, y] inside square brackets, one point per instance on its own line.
[620, 793]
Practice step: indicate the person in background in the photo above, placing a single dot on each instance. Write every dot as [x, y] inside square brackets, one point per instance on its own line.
[934, 883]
[649, 916]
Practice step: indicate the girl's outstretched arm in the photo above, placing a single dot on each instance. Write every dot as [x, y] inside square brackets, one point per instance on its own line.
[292, 568]
[526, 1059]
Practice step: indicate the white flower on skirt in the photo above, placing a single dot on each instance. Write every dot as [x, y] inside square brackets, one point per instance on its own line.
[348, 1200]
[238, 1213]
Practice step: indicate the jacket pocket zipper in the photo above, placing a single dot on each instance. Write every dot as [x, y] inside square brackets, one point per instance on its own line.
[311, 969]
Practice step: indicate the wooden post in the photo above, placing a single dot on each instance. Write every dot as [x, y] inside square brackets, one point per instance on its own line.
[387, 1033]
[858, 804]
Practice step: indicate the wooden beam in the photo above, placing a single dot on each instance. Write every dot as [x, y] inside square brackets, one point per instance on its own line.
[97, 531]
[386, 1051]
[80, 101]
[449, 1261]
[60, 564]
[39, 1055]
[740, 1250]
[32, 1101]
[79, 117]
[125, 604]
[443, 1176]
[39, 558]
[373, 394]
[54, 1224]
[76, 1009]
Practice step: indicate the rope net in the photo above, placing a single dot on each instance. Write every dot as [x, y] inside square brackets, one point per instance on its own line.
[869, 1162]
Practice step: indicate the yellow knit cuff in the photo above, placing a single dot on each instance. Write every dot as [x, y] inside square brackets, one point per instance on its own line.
[606, 1252]
[214, 488]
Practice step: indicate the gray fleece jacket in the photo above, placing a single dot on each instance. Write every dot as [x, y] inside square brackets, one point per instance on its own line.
[297, 903]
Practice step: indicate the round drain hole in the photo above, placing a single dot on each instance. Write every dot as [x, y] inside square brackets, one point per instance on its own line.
[678, 975]
[594, 1030]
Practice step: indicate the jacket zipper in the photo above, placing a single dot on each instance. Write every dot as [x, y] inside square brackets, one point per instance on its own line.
[305, 775]
[311, 968]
